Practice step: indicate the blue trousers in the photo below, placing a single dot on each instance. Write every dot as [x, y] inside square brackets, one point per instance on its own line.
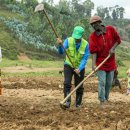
[105, 79]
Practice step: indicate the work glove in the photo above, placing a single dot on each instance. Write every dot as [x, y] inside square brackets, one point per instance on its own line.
[59, 41]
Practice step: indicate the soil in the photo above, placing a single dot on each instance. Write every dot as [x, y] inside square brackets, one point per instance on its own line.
[34, 104]
[23, 57]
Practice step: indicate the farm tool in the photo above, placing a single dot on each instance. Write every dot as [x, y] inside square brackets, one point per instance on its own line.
[40, 7]
[62, 103]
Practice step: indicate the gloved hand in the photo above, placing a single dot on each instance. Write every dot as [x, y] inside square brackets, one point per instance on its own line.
[59, 41]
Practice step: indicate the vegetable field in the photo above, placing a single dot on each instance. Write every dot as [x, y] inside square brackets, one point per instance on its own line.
[32, 103]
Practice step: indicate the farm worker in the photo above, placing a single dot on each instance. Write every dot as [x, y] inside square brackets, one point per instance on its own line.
[103, 42]
[78, 50]
[128, 75]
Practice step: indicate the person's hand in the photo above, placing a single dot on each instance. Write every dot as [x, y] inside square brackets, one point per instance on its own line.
[112, 51]
[77, 71]
[59, 41]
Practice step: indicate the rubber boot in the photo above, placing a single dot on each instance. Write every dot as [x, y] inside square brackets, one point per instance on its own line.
[78, 99]
[68, 102]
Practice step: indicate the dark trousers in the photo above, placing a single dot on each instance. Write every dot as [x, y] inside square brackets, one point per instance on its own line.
[68, 75]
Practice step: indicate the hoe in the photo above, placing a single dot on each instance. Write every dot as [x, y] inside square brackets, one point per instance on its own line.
[40, 7]
[62, 103]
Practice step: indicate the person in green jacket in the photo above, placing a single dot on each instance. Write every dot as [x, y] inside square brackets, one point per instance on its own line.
[78, 50]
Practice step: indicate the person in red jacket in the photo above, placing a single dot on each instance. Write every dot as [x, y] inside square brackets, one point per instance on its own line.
[103, 42]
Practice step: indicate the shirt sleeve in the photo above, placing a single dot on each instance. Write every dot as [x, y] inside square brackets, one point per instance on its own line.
[60, 48]
[116, 36]
[85, 58]
[92, 45]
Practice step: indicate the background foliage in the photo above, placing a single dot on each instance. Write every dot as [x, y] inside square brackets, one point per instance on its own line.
[33, 34]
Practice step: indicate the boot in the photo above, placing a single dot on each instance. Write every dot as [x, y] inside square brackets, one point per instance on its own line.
[78, 99]
[68, 102]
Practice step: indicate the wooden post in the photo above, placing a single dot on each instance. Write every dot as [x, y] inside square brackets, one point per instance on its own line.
[0, 84]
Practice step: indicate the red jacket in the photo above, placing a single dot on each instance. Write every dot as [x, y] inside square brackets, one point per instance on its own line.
[102, 44]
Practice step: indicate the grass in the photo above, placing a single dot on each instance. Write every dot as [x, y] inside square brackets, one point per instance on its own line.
[9, 44]
[122, 69]
[31, 63]
[33, 74]
[49, 64]
[8, 14]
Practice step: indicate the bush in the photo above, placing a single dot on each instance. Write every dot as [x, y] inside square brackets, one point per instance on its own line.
[119, 62]
[15, 9]
[4, 2]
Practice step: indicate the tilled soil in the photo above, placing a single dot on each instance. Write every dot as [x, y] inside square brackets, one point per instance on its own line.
[33, 104]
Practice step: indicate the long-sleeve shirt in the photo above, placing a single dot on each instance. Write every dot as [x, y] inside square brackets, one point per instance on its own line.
[101, 45]
[85, 56]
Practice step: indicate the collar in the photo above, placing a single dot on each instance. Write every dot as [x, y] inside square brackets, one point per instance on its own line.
[101, 32]
[78, 42]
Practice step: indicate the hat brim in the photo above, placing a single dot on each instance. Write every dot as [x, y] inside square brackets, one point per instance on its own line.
[76, 36]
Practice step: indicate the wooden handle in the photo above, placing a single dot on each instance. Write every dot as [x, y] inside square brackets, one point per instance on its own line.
[57, 37]
[62, 102]
[50, 23]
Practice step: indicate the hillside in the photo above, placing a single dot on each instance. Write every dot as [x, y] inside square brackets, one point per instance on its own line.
[13, 44]
[12, 47]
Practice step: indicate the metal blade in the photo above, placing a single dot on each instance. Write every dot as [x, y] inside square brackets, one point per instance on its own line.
[39, 7]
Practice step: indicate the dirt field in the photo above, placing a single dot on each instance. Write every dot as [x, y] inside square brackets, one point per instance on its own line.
[33, 104]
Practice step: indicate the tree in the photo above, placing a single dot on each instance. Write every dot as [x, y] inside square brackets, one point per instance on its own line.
[121, 12]
[50, 1]
[128, 32]
[89, 6]
[13, 1]
[64, 7]
[22, 1]
[77, 9]
[101, 12]
[107, 13]
[114, 15]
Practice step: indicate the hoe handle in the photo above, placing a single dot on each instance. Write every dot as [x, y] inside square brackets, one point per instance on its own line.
[62, 102]
[50, 23]
[57, 37]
